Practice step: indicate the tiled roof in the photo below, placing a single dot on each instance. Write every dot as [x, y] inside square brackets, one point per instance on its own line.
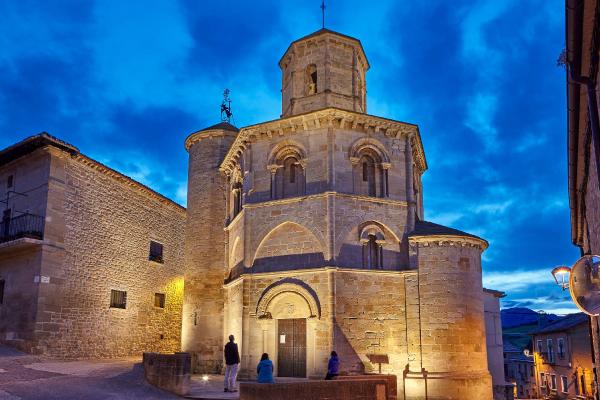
[222, 125]
[567, 322]
[508, 347]
[426, 228]
[32, 143]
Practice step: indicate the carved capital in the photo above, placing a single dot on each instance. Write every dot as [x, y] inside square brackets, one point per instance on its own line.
[273, 168]
[354, 160]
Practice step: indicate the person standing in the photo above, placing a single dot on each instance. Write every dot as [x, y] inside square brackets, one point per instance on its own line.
[333, 367]
[232, 363]
[264, 369]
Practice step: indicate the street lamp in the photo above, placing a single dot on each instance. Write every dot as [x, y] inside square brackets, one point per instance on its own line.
[561, 276]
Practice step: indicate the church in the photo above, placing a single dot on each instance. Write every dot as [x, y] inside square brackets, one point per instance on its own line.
[301, 235]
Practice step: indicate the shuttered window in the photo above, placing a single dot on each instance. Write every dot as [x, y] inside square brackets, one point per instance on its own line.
[156, 252]
[118, 299]
[159, 300]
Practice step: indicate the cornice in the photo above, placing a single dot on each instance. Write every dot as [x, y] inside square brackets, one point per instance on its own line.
[296, 272]
[206, 134]
[325, 118]
[447, 240]
[292, 200]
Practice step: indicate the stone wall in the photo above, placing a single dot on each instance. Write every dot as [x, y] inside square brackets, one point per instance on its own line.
[101, 224]
[370, 319]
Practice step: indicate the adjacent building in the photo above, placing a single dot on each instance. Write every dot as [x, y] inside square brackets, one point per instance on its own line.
[563, 360]
[302, 235]
[91, 262]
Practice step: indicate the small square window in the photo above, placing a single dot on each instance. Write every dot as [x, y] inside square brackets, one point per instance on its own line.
[159, 300]
[156, 252]
[10, 181]
[118, 299]
[2, 282]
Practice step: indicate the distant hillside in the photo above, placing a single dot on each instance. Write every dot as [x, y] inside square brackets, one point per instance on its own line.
[518, 316]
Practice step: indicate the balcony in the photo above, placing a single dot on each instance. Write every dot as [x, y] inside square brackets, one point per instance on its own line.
[23, 226]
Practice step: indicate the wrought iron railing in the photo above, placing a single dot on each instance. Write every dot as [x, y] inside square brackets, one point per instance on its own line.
[25, 225]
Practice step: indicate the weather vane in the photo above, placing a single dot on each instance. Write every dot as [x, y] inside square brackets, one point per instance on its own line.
[226, 114]
[323, 12]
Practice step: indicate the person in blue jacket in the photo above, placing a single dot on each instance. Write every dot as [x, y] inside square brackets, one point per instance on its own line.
[333, 367]
[264, 369]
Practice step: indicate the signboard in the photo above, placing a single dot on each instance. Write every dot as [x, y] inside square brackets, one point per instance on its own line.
[379, 358]
[282, 339]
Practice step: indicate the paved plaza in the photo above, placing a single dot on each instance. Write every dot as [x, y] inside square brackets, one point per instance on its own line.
[24, 376]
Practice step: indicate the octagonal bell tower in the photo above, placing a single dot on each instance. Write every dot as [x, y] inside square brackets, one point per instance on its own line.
[323, 69]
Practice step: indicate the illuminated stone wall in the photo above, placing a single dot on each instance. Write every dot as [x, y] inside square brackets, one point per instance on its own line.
[453, 337]
[99, 227]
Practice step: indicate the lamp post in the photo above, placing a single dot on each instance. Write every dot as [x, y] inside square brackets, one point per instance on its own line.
[561, 276]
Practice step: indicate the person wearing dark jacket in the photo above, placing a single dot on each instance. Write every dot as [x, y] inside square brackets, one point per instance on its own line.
[333, 367]
[264, 369]
[232, 362]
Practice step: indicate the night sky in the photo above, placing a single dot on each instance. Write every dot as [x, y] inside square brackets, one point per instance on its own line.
[127, 81]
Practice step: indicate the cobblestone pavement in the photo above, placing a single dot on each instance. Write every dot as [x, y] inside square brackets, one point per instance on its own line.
[24, 376]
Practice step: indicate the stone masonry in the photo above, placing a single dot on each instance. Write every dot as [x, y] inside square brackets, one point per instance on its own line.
[302, 235]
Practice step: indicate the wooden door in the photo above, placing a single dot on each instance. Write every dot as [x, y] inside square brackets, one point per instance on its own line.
[291, 356]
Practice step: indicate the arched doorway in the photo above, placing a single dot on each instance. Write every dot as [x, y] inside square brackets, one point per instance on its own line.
[290, 312]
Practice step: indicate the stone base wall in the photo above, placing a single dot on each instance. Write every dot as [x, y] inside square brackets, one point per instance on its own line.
[357, 388]
[170, 372]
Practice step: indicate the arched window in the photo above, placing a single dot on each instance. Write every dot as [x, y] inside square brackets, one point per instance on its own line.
[370, 168]
[286, 164]
[291, 172]
[368, 175]
[372, 253]
[311, 79]
[236, 199]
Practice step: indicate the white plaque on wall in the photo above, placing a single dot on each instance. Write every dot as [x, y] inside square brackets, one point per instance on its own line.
[282, 339]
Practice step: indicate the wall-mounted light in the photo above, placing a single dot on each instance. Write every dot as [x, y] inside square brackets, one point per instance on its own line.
[561, 276]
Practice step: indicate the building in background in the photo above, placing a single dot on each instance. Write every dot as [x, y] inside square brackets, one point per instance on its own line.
[563, 360]
[520, 371]
[503, 390]
[582, 48]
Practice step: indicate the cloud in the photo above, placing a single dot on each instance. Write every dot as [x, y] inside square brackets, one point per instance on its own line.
[481, 111]
[514, 281]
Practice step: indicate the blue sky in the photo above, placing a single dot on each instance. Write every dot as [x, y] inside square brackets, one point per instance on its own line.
[126, 82]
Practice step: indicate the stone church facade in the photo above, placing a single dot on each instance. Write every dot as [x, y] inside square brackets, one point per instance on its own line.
[302, 235]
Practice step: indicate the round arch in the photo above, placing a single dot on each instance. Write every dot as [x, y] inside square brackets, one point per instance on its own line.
[291, 286]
